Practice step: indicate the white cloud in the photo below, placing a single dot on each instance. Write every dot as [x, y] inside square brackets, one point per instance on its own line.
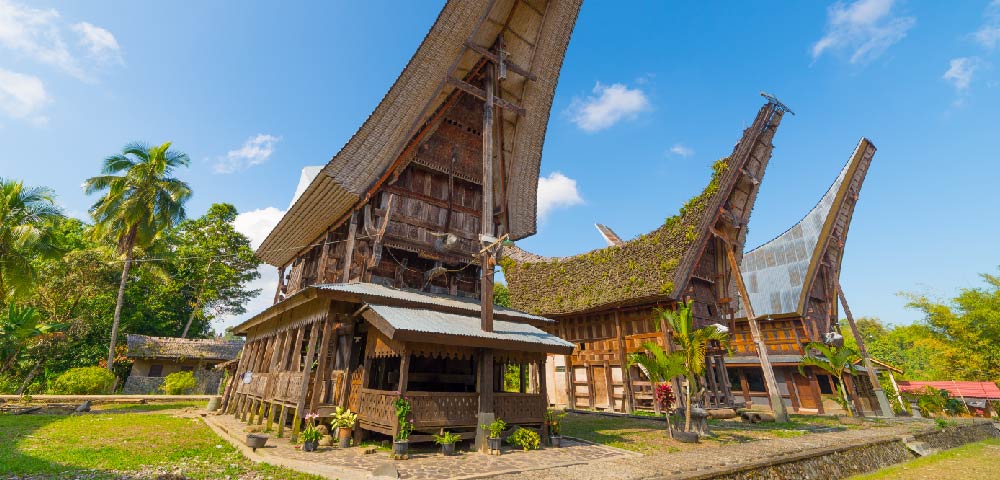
[989, 34]
[100, 43]
[23, 97]
[609, 105]
[681, 150]
[865, 28]
[37, 34]
[960, 72]
[255, 151]
[556, 191]
[256, 224]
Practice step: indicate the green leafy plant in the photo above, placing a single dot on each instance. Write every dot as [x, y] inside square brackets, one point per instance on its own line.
[311, 433]
[83, 381]
[403, 409]
[179, 383]
[495, 428]
[553, 419]
[834, 360]
[344, 418]
[524, 438]
[446, 438]
[942, 423]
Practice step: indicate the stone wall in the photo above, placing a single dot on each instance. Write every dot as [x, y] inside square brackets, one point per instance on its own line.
[208, 383]
[844, 462]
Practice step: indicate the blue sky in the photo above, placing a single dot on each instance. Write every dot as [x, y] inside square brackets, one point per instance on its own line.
[649, 96]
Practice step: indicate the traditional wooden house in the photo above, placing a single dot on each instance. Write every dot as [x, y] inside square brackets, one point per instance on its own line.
[604, 300]
[153, 358]
[793, 284]
[383, 290]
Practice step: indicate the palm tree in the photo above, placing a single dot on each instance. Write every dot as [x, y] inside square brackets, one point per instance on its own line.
[24, 212]
[692, 346]
[139, 204]
[833, 360]
[660, 367]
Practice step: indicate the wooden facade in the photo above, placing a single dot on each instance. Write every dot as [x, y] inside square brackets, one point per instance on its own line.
[439, 175]
[686, 258]
[793, 283]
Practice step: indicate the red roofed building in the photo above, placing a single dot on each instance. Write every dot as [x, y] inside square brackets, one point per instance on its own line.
[977, 395]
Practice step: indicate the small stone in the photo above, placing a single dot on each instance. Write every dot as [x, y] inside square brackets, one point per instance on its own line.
[326, 441]
[323, 429]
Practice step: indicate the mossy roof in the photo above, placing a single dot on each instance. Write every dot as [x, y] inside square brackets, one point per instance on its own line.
[645, 267]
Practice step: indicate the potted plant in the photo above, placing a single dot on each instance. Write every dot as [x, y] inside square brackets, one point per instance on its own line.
[447, 441]
[402, 441]
[344, 420]
[495, 430]
[555, 427]
[311, 434]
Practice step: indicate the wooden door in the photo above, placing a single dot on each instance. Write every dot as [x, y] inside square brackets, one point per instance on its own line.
[600, 379]
[809, 398]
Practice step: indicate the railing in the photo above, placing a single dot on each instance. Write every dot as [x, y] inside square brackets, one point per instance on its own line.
[520, 407]
[434, 410]
[376, 411]
[444, 409]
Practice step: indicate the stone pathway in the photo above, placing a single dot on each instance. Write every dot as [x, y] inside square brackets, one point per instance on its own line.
[353, 463]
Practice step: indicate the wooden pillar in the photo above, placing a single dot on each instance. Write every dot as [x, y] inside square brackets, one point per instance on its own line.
[627, 400]
[542, 386]
[352, 231]
[281, 284]
[295, 359]
[404, 372]
[321, 370]
[282, 420]
[773, 393]
[345, 393]
[487, 230]
[300, 405]
[883, 401]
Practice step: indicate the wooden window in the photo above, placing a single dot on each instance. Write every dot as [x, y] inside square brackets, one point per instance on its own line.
[755, 380]
[156, 370]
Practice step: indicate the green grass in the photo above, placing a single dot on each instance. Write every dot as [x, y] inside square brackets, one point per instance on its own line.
[109, 445]
[973, 461]
[148, 407]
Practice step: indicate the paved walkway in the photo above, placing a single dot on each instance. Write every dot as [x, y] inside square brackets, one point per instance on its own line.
[353, 463]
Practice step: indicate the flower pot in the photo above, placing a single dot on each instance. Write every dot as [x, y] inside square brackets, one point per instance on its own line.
[310, 445]
[344, 437]
[493, 443]
[256, 441]
[555, 440]
[448, 449]
[399, 448]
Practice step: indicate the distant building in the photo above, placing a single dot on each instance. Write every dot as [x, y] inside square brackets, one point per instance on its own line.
[153, 358]
[976, 395]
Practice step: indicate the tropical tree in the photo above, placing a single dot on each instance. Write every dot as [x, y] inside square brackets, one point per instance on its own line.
[24, 216]
[141, 200]
[18, 326]
[216, 262]
[833, 360]
[692, 346]
[659, 367]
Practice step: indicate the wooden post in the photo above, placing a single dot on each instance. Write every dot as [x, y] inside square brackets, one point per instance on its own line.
[487, 230]
[883, 401]
[404, 372]
[627, 401]
[281, 284]
[777, 405]
[345, 393]
[324, 352]
[295, 363]
[352, 231]
[570, 388]
[486, 415]
[282, 420]
[304, 388]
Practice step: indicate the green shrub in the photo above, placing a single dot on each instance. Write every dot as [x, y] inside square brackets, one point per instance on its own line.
[524, 438]
[83, 381]
[8, 385]
[179, 383]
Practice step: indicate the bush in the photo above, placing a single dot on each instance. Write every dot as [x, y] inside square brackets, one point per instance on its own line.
[179, 383]
[524, 438]
[8, 385]
[83, 381]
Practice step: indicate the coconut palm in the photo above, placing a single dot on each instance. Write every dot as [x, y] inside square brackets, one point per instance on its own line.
[659, 366]
[833, 360]
[142, 200]
[24, 213]
[692, 345]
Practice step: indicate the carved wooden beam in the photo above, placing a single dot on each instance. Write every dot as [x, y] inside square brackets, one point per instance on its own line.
[481, 94]
[497, 61]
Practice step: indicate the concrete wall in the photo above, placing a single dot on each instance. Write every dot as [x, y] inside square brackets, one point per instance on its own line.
[208, 383]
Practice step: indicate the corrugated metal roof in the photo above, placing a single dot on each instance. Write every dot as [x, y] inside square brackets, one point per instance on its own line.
[986, 390]
[469, 304]
[402, 319]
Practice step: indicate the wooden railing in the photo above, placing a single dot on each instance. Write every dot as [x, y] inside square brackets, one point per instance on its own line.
[376, 411]
[520, 407]
[444, 409]
[435, 410]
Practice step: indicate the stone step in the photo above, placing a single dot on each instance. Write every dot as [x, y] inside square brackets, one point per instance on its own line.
[920, 449]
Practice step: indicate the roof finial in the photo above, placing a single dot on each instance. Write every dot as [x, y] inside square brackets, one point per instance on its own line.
[772, 99]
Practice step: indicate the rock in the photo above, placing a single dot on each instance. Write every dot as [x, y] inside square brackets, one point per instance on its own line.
[323, 429]
[84, 407]
[385, 471]
[326, 441]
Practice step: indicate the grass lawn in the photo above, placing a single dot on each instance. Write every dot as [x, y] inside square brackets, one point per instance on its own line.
[974, 461]
[110, 445]
[649, 436]
[148, 407]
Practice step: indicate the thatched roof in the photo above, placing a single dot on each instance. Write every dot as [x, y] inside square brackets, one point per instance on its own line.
[538, 32]
[778, 273]
[654, 266]
[142, 346]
